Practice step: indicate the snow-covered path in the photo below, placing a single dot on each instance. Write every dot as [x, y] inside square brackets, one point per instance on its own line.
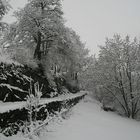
[89, 122]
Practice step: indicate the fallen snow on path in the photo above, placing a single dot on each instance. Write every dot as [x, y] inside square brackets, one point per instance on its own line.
[89, 122]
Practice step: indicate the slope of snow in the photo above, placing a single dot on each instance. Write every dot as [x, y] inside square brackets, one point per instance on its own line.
[89, 122]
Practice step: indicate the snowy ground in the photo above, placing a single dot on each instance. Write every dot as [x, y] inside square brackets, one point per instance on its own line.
[88, 122]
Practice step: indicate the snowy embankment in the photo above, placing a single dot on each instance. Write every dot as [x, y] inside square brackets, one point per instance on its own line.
[10, 106]
[89, 122]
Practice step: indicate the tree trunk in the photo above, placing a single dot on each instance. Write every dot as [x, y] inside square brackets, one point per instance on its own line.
[37, 53]
[132, 97]
[124, 95]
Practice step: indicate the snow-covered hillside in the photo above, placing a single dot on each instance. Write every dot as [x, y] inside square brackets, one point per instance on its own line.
[89, 122]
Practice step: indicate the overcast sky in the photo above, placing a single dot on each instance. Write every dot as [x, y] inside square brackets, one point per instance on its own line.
[94, 20]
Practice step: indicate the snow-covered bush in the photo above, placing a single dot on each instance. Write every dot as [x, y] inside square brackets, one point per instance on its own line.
[15, 82]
